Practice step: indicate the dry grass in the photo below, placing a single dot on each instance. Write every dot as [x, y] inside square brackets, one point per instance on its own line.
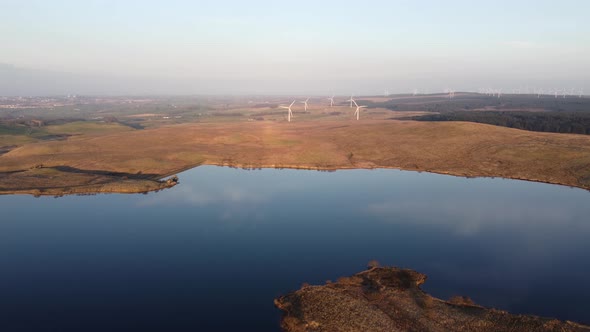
[465, 149]
[86, 128]
[7, 140]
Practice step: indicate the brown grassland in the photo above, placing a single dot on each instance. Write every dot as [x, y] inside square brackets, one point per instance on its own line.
[144, 156]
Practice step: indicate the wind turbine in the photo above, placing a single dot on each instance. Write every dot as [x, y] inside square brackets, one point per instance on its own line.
[305, 102]
[289, 114]
[331, 99]
[351, 100]
[581, 93]
[451, 93]
[358, 110]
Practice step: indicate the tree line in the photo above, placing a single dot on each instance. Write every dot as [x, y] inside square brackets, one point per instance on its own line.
[555, 122]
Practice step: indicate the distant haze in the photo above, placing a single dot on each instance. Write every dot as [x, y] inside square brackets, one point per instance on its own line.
[299, 47]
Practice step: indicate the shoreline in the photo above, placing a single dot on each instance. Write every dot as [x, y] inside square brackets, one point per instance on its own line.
[84, 182]
[458, 149]
[123, 185]
[344, 168]
[391, 299]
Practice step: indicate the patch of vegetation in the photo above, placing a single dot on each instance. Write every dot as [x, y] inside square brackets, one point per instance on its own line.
[555, 122]
[86, 127]
[442, 104]
[18, 129]
[228, 114]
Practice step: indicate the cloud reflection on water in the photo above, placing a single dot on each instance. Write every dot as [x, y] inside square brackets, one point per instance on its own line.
[234, 202]
[467, 216]
[202, 196]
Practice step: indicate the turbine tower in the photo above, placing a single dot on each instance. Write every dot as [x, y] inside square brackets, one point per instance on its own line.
[289, 114]
[358, 110]
[331, 99]
[451, 94]
[305, 103]
[351, 100]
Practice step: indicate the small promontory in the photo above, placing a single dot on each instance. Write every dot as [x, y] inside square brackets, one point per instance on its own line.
[390, 299]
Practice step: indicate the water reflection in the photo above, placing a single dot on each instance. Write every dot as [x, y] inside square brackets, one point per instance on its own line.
[227, 240]
[473, 215]
[187, 195]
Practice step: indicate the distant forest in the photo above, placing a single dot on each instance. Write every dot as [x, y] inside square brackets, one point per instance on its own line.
[555, 122]
[479, 102]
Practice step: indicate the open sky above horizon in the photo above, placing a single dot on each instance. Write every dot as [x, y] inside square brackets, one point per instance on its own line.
[299, 47]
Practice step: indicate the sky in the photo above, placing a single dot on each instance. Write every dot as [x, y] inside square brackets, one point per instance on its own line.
[291, 47]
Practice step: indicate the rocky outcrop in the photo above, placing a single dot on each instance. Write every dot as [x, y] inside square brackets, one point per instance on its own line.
[390, 299]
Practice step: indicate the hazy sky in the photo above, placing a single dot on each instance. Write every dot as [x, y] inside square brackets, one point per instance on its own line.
[296, 46]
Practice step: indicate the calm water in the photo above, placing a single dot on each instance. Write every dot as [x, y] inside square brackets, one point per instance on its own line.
[212, 253]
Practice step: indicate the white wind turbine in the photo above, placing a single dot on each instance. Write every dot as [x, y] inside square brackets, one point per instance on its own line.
[351, 100]
[451, 94]
[305, 103]
[358, 110]
[331, 99]
[289, 114]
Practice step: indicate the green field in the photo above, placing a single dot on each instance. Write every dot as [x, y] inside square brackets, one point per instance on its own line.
[86, 128]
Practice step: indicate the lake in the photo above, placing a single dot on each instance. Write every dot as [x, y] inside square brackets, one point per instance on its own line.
[213, 252]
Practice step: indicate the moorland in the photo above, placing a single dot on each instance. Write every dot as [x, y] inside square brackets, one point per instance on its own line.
[84, 145]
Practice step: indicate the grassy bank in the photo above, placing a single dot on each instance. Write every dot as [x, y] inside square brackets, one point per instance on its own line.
[457, 148]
